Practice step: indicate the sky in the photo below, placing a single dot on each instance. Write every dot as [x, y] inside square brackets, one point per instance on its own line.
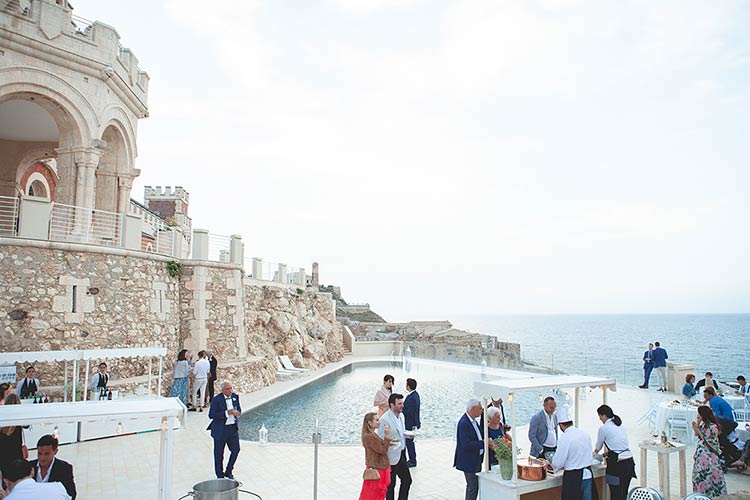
[449, 157]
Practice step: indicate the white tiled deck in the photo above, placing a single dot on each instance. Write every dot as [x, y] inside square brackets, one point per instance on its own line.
[126, 467]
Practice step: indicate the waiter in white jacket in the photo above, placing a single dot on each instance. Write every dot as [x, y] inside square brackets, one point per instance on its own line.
[99, 381]
[573, 455]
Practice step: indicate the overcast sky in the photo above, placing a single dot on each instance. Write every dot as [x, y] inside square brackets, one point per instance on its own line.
[445, 157]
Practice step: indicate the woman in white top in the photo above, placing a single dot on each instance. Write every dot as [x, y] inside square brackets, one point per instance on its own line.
[181, 371]
[620, 464]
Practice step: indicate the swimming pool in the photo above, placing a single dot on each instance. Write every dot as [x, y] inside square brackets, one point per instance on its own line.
[340, 399]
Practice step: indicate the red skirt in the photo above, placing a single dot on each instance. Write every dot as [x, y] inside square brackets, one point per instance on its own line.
[375, 489]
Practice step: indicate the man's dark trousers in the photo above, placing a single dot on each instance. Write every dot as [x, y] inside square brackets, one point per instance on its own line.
[412, 451]
[229, 437]
[472, 484]
[400, 470]
[647, 373]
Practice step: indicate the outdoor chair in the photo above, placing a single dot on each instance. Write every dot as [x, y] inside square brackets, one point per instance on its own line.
[650, 417]
[696, 496]
[741, 414]
[640, 493]
[288, 365]
[283, 373]
[679, 423]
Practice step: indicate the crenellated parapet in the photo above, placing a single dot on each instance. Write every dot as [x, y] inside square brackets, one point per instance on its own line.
[47, 30]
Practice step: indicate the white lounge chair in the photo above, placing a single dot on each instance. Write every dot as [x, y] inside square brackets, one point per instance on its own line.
[288, 365]
[283, 373]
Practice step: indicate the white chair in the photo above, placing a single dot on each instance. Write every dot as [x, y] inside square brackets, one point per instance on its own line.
[641, 493]
[696, 496]
[288, 365]
[678, 423]
[650, 417]
[741, 414]
[283, 373]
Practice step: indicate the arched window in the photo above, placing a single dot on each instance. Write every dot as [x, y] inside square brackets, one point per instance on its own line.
[37, 186]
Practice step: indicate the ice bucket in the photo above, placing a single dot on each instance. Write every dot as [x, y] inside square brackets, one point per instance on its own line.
[217, 489]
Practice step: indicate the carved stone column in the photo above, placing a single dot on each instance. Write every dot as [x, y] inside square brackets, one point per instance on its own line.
[125, 186]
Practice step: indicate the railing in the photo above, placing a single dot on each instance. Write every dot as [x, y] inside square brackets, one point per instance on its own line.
[8, 216]
[160, 238]
[84, 225]
[81, 26]
[218, 247]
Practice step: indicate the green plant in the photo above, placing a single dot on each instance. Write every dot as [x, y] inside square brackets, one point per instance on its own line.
[300, 291]
[504, 449]
[174, 268]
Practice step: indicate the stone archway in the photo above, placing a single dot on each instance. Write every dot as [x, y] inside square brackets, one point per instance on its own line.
[113, 162]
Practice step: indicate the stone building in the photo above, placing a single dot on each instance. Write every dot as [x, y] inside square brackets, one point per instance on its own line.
[70, 100]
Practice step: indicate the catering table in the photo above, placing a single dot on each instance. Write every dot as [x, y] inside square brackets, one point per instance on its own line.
[100, 429]
[663, 453]
[736, 402]
[492, 486]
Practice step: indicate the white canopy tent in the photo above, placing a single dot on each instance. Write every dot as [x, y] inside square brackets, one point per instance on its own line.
[168, 409]
[507, 387]
[80, 355]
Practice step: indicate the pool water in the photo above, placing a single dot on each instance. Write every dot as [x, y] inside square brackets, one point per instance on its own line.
[340, 399]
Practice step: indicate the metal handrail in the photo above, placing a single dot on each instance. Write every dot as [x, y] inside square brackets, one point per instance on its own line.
[8, 216]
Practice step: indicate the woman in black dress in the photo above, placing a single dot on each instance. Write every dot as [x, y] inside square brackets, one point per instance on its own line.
[11, 440]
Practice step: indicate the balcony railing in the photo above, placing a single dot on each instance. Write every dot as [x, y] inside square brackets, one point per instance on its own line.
[84, 225]
[8, 216]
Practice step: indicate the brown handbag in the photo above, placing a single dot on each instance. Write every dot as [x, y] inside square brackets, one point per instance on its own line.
[370, 474]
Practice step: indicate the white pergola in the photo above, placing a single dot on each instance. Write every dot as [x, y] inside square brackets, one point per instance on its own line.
[168, 409]
[87, 355]
[505, 388]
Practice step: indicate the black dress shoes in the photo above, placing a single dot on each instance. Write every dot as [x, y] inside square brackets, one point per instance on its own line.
[229, 475]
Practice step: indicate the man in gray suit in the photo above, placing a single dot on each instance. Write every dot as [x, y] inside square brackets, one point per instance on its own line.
[394, 420]
[543, 429]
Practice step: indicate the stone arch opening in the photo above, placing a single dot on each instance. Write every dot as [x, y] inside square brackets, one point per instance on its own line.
[35, 127]
[113, 163]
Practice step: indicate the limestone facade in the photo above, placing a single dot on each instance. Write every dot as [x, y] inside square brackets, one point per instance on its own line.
[78, 94]
[57, 296]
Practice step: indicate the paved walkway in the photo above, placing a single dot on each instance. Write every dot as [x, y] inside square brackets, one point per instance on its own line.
[126, 467]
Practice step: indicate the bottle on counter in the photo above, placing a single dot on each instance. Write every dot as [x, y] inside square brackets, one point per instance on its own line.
[109, 395]
[35, 401]
[46, 398]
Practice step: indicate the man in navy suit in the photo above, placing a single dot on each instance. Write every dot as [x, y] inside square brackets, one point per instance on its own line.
[469, 447]
[224, 413]
[50, 469]
[411, 418]
[648, 365]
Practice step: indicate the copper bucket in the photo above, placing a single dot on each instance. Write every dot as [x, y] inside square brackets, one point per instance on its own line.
[531, 469]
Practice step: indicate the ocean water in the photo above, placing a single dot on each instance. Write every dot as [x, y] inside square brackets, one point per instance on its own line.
[613, 345]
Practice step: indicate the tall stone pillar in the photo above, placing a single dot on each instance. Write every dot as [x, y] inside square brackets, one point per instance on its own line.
[86, 160]
[315, 275]
[124, 188]
[65, 190]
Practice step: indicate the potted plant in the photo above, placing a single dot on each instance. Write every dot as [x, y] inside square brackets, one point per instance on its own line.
[504, 455]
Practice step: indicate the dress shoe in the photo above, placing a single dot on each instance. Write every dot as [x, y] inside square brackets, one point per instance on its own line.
[643, 387]
[229, 475]
[411, 464]
[192, 408]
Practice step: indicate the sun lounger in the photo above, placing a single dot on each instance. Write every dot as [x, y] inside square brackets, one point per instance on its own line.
[281, 372]
[288, 365]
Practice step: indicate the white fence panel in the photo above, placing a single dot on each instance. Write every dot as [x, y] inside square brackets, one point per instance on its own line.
[8, 216]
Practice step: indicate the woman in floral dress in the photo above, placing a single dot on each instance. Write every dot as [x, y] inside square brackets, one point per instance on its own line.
[708, 476]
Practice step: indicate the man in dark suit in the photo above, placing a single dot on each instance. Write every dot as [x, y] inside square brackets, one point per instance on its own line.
[648, 365]
[469, 448]
[50, 469]
[224, 414]
[211, 376]
[411, 418]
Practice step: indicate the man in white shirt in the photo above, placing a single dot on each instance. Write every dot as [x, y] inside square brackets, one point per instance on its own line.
[224, 413]
[99, 381]
[200, 370]
[19, 479]
[28, 386]
[573, 455]
[394, 419]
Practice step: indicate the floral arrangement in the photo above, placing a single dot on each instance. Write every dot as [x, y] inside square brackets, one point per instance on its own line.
[504, 449]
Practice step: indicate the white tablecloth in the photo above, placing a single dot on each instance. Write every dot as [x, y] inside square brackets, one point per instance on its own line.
[736, 402]
[667, 410]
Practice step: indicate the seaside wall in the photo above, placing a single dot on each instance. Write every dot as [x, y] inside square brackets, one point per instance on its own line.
[128, 299]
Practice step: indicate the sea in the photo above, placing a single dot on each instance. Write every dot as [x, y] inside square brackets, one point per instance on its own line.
[612, 345]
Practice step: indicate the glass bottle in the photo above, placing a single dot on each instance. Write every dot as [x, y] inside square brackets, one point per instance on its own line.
[109, 395]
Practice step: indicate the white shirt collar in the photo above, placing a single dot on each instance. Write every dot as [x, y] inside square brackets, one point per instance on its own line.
[45, 479]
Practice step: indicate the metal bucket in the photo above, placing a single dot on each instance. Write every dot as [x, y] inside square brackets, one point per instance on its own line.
[216, 489]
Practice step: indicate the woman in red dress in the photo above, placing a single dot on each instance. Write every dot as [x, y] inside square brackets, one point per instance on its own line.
[376, 457]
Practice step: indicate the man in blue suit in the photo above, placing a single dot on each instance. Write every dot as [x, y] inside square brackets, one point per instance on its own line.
[411, 418]
[224, 414]
[648, 365]
[469, 448]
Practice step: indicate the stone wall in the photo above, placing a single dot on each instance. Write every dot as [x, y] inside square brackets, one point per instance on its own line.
[57, 296]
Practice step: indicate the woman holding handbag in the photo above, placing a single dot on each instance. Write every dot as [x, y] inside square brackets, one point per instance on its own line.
[377, 475]
[708, 475]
